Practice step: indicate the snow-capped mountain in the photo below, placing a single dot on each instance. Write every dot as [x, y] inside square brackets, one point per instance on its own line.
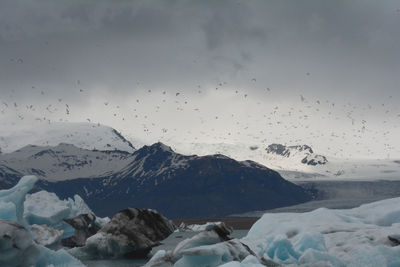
[83, 135]
[299, 162]
[303, 153]
[63, 162]
[183, 186]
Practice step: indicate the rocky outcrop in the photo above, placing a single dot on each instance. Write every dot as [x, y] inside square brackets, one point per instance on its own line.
[131, 233]
[85, 226]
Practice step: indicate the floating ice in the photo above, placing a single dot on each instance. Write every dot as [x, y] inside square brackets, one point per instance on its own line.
[46, 236]
[16, 196]
[197, 227]
[17, 247]
[354, 237]
[46, 208]
[213, 255]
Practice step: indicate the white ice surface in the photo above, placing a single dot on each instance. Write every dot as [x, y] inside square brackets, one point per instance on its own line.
[354, 237]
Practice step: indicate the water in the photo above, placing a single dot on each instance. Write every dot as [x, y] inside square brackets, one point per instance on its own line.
[167, 244]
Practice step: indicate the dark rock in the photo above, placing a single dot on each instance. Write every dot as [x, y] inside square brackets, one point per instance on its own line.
[143, 228]
[395, 239]
[131, 233]
[84, 225]
[223, 231]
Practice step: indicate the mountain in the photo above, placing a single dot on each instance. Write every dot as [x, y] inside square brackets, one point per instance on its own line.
[299, 162]
[63, 162]
[183, 186]
[303, 153]
[83, 135]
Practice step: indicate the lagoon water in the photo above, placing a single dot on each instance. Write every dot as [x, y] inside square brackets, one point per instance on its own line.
[167, 244]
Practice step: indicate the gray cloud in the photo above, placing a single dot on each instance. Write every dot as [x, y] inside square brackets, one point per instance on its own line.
[343, 51]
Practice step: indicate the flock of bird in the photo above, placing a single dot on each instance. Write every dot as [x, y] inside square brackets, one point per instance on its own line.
[263, 123]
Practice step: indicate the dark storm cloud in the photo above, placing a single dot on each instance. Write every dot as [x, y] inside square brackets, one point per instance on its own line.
[179, 44]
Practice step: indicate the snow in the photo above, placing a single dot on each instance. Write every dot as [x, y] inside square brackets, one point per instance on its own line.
[354, 237]
[84, 135]
[291, 166]
[64, 162]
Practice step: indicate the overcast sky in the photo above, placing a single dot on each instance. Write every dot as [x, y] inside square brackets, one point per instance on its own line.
[323, 73]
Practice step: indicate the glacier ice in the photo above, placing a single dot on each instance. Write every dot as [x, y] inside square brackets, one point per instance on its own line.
[323, 237]
[16, 196]
[46, 236]
[17, 246]
[212, 247]
[196, 227]
[213, 255]
[46, 208]
[352, 237]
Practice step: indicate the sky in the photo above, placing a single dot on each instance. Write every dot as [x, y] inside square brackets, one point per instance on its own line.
[321, 73]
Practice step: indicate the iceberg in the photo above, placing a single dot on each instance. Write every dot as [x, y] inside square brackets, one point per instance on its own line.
[16, 245]
[46, 208]
[196, 227]
[46, 236]
[212, 247]
[366, 236]
[22, 244]
[12, 200]
[352, 237]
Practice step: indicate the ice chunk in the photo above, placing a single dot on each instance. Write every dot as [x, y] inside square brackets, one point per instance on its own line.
[310, 240]
[353, 237]
[46, 236]
[312, 256]
[45, 208]
[8, 211]
[56, 258]
[16, 245]
[281, 249]
[197, 227]
[16, 195]
[213, 255]
[159, 254]
[249, 261]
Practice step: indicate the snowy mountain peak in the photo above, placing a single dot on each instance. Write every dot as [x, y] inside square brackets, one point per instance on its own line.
[63, 162]
[83, 135]
[286, 151]
[302, 152]
[156, 148]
